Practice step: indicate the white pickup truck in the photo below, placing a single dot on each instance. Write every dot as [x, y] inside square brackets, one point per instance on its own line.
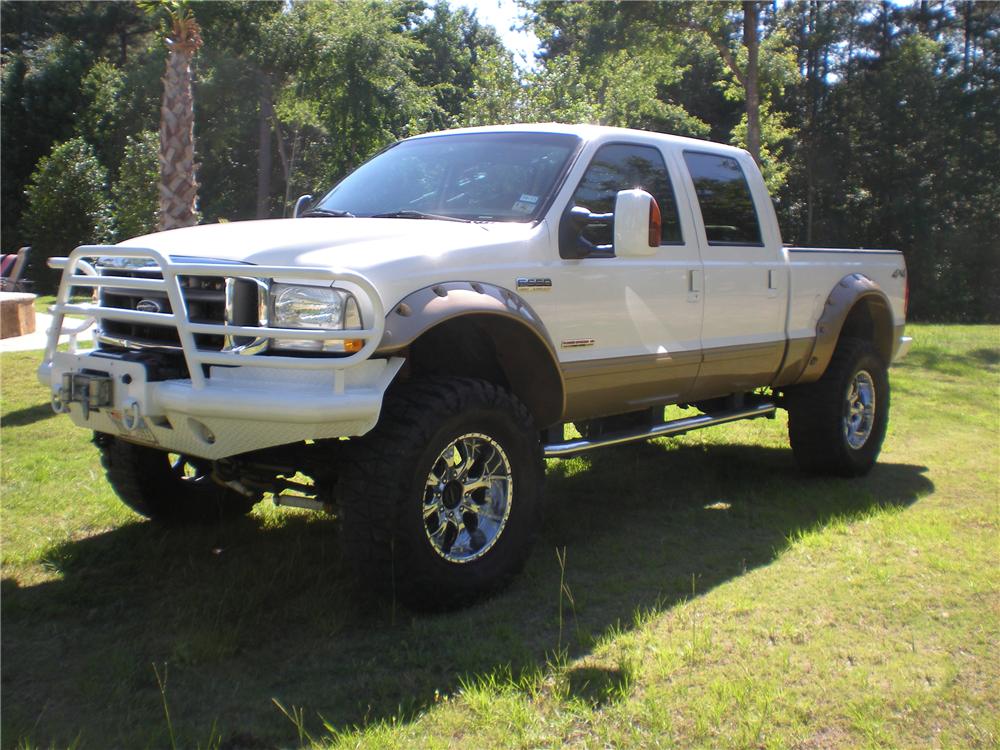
[416, 341]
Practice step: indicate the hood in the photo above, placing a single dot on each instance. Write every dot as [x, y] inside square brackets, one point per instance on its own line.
[356, 243]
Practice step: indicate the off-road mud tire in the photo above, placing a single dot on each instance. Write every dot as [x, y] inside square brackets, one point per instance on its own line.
[382, 492]
[817, 412]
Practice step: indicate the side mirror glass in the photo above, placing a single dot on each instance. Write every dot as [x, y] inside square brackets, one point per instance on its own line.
[300, 205]
[572, 241]
[637, 224]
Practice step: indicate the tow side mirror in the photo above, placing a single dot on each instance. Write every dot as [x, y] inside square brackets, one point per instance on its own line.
[300, 205]
[637, 224]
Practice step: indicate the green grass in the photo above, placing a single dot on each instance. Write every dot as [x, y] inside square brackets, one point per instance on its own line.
[697, 592]
[43, 302]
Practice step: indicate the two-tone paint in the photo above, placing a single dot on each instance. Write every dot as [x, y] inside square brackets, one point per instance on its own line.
[589, 337]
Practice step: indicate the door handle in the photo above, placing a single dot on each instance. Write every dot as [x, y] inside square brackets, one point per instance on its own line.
[772, 283]
[694, 285]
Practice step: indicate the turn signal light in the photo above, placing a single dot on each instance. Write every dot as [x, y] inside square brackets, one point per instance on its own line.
[654, 223]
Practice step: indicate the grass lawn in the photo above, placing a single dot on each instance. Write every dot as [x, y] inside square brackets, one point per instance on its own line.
[694, 592]
[43, 302]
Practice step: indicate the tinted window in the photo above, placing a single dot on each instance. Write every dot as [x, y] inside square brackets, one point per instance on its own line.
[724, 197]
[623, 167]
[478, 176]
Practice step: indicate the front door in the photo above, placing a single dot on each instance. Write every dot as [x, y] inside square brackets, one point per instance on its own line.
[627, 329]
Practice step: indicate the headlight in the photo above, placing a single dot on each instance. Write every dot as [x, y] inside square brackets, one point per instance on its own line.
[294, 306]
[298, 306]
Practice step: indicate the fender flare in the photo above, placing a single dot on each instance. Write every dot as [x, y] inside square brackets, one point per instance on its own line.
[851, 291]
[530, 365]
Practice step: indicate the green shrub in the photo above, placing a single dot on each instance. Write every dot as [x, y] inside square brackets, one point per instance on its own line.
[68, 205]
[134, 194]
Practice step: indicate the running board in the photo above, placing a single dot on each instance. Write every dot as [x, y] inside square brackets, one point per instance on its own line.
[673, 427]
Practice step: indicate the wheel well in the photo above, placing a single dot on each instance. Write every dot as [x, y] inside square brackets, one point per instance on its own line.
[496, 349]
[871, 320]
[856, 308]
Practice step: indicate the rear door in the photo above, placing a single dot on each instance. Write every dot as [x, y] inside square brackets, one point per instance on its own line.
[745, 275]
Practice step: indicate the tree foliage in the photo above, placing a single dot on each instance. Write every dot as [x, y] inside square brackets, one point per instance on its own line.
[67, 206]
[134, 194]
[901, 113]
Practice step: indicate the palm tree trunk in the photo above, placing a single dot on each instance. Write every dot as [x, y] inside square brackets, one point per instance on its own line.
[178, 185]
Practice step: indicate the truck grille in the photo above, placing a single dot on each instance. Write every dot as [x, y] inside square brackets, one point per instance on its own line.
[204, 296]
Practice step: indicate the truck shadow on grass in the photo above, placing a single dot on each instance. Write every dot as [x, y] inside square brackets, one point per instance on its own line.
[260, 610]
[29, 415]
[947, 362]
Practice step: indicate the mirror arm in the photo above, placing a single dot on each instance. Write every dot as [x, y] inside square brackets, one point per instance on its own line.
[300, 204]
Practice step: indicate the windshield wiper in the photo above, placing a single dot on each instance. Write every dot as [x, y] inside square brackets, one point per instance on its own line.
[409, 214]
[328, 212]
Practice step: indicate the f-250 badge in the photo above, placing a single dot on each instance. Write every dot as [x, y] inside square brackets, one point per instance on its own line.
[534, 284]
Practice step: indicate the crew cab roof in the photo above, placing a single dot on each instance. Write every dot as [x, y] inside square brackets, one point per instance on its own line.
[587, 133]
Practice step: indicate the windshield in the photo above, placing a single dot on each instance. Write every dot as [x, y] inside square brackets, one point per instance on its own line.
[471, 176]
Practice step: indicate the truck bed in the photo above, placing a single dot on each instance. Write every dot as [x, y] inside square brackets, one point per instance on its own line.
[815, 270]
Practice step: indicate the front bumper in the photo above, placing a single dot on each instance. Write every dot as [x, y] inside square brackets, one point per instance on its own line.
[233, 401]
[237, 410]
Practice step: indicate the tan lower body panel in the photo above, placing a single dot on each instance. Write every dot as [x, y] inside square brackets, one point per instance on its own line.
[613, 386]
[796, 358]
[737, 369]
[599, 388]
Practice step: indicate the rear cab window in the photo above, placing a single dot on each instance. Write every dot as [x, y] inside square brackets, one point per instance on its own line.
[727, 208]
[624, 166]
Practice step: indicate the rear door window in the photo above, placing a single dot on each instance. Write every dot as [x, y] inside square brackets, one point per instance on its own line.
[727, 208]
[622, 166]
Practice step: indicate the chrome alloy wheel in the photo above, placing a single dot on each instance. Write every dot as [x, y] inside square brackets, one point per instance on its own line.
[859, 409]
[467, 498]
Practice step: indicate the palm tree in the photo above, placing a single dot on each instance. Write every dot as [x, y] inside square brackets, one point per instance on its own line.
[178, 186]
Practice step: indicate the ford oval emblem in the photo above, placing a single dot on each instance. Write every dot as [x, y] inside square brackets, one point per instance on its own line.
[149, 305]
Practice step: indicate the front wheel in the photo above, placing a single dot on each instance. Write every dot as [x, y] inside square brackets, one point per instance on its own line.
[167, 487]
[441, 502]
[837, 424]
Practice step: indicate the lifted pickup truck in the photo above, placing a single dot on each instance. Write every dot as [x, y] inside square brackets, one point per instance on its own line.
[417, 340]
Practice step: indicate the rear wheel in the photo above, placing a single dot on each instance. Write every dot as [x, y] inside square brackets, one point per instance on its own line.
[441, 502]
[837, 424]
[167, 487]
